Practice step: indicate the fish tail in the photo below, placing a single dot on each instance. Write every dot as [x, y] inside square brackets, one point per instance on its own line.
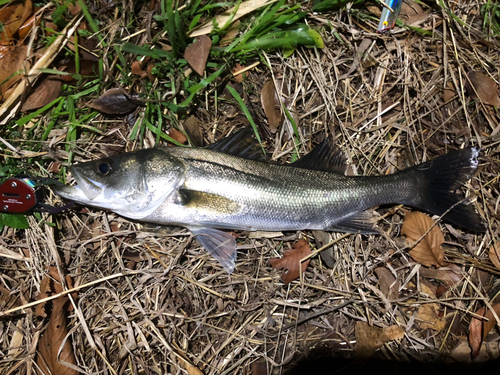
[437, 183]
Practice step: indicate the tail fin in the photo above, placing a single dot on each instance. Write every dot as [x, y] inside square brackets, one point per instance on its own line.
[438, 181]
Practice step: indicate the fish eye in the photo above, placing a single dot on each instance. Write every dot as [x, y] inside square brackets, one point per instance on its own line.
[104, 168]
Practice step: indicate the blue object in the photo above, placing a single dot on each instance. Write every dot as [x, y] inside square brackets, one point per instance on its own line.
[388, 18]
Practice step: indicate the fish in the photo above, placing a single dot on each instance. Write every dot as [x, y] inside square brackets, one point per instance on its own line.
[230, 186]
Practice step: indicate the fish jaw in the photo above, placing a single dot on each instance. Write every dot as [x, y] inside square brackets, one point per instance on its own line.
[84, 192]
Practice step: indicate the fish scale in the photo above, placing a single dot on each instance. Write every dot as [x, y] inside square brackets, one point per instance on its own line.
[207, 190]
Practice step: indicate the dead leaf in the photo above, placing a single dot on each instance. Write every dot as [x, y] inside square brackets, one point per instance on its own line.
[451, 274]
[478, 330]
[230, 15]
[197, 53]
[177, 135]
[428, 317]
[428, 251]
[290, 262]
[137, 70]
[494, 254]
[259, 368]
[49, 359]
[231, 34]
[8, 300]
[26, 27]
[193, 131]
[449, 92]
[272, 106]
[239, 77]
[370, 338]
[480, 86]
[190, 369]
[114, 102]
[45, 92]
[412, 13]
[489, 351]
[11, 18]
[388, 284]
[13, 63]
[322, 238]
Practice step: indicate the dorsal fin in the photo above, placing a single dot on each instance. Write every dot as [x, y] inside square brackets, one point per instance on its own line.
[240, 144]
[323, 158]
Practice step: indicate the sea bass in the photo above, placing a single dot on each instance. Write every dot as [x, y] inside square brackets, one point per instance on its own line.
[230, 186]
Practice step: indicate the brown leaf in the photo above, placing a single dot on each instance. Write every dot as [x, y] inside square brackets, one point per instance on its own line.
[272, 106]
[370, 338]
[481, 86]
[259, 368]
[494, 254]
[137, 69]
[449, 91]
[239, 77]
[8, 300]
[478, 330]
[57, 330]
[177, 135]
[231, 34]
[46, 91]
[428, 251]
[451, 274]
[113, 102]
[197, 53]
[193, 131]
[388, 284]
[26, 27]
[11, 18]
[290, 262]
[49, 344]
[428, 317]
[12, 62]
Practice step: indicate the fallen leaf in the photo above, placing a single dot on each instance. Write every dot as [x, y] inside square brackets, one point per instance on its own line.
[449, 92]
[229, 15]
[239, 77]
[272, 106]
[114, 102]
[451, 274]
[478, 330]
[11, 18]
[8, 300]
[50, 358]
[370, 338]
[26, 27]
[388, 284]
[412, 13]
[322, 238]
[193, 131]
[197, 53]
[428, 251]
[13, 64]
[177, 135]
[428, 317]
[45, 92]
[137, 70]
[480, 86]
[290, 262]
[190, 369]
[231, 34]
[494, 254]
[488, 352]
[259, 368]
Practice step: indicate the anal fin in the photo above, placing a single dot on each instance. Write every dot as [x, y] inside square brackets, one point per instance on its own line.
[360, 222]
[221, 245]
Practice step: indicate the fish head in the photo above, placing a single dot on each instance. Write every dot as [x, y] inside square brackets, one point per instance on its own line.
[131, 184]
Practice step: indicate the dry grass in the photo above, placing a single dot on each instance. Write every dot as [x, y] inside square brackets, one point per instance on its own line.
[173, 304]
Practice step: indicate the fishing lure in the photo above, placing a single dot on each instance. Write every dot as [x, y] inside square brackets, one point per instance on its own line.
[388, 18]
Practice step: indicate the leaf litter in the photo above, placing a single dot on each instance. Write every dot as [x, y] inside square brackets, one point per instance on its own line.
[175, 296]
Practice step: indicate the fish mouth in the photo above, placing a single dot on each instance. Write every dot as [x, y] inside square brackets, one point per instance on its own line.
[84, 191]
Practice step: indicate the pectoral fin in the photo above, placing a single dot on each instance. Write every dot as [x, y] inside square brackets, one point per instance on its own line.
[220, 244]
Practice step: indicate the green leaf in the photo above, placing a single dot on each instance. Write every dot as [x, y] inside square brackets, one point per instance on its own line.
[16, 221]
[155, 53]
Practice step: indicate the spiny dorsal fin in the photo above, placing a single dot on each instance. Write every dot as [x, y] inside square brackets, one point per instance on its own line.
[323, 158]
[242, 144]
